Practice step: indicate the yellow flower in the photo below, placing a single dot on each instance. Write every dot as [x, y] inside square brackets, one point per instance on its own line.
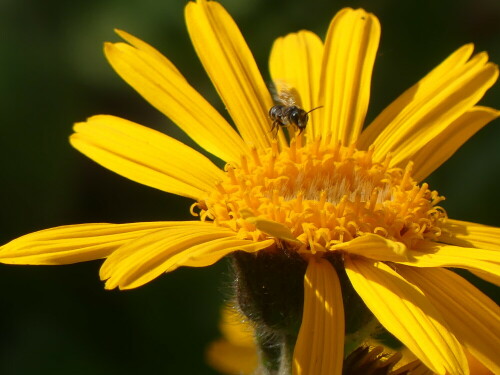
[344, 198]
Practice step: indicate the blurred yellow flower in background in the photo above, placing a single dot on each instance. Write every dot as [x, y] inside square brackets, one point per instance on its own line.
[348, 201]
[235, 352]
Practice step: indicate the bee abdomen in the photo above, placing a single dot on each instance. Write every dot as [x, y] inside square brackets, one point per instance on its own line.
[281, 113]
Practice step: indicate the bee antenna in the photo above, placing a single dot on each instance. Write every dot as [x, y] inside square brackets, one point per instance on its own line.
[315, 109]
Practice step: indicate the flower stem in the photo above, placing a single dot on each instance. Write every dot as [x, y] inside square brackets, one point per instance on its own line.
[269, 291]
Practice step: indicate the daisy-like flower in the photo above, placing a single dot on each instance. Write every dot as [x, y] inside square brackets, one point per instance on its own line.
[342, 206]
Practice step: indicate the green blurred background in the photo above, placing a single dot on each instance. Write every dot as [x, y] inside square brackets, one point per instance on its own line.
[60, 320]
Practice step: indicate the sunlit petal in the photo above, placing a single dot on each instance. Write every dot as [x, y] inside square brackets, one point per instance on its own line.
[154, 77]
[429, 254]
[467, 234]
[320, 344]
[195, 244]
[405, 311]
[73, 243]
[428, 108]
[145, 156]
[300, 72]
[150, 51]
[349, 55]
[272, 228]
[374, 247]
[232, 69]
[418, 91]
[435, 152]
[473, 317]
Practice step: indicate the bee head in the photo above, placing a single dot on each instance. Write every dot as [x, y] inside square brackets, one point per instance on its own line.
[299, 117]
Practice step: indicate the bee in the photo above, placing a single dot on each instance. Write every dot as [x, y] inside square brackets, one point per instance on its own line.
[288, 112]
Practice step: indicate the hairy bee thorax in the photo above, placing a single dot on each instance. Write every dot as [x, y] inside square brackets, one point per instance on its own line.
[285, 116]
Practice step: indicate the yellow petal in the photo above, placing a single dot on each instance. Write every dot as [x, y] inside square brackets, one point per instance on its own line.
[418, 91]
[435, 152]
[209, 253]
[194, 244]
[232, 69]
[272, 228]
[467, 234]
[405, 311]
[73, 243]
[473, 317]
[429, 107]
[349, 55]
[296, 60]
[145, 156]
[232, 359]
[154, 77]
[150, 51]
[430, 254]
[374, 247]
[320, 345]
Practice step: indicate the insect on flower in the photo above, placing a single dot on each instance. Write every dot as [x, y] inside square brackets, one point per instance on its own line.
[309, 223]
[288, 112]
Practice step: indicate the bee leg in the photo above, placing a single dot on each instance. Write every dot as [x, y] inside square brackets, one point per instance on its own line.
[276, 125]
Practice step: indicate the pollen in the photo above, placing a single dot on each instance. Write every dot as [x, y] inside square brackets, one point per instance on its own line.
[324, 194]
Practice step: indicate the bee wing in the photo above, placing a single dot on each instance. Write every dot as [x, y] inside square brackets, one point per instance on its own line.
[284, 94]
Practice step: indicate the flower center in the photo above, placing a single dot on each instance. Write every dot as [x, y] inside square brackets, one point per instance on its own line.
[325, 194]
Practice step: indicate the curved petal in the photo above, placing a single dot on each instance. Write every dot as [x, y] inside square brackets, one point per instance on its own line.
[405, 311]
[430, 254]
[73, 243]
[467, 234]
[207, 254]
[194, 244]
[426, 109]
[473, 317]
[156, 79]
[145, 156]
[320, 345]
[349, 55]
[232, 69]
[296, 61]
[272, 228]
[374, 247]
[435, 152]
[420, 90]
